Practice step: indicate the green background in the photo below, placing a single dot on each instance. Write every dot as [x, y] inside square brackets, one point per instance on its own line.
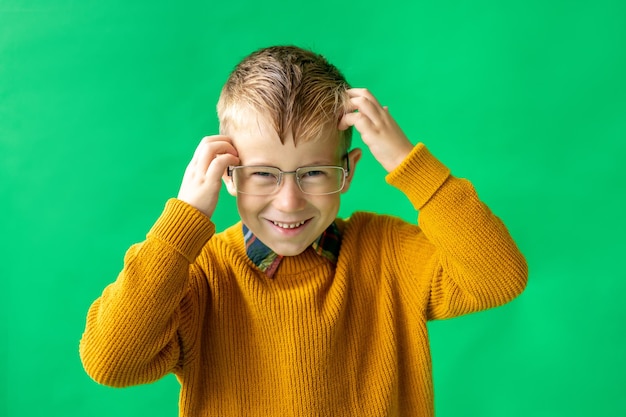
[103, 102]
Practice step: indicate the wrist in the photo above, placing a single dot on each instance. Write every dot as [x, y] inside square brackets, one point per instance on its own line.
[419, 175]
[184, 228]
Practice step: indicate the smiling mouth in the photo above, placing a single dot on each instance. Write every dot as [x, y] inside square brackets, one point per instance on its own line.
[288, 225]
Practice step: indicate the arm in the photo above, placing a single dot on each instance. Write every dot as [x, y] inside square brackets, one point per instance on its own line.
[475, 263]
[133, 330]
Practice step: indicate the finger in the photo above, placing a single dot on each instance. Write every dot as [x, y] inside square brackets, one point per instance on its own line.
[345, 122]
[210, 150]
[362, 92]
[208, 140]
[371, 109]
[359, 120]
[220, 164]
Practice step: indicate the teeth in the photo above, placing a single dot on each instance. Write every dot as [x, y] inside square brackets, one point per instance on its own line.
[288, 225]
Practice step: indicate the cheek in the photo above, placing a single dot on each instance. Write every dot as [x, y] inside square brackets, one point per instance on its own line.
[328, 205]
[249, 206]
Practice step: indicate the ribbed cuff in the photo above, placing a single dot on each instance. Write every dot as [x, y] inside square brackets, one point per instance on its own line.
[184, 228]
[419, 176]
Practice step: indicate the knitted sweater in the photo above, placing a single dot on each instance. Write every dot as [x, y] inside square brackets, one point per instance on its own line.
[315, 339]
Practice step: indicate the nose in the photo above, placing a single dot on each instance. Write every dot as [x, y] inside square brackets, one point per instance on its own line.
[289, 197]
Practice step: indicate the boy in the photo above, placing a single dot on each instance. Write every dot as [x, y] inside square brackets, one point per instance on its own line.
[293, 312]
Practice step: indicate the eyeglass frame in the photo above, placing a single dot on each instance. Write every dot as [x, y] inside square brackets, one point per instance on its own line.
[346, 172]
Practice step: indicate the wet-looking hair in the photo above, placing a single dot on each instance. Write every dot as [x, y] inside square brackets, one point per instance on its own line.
[294, 89]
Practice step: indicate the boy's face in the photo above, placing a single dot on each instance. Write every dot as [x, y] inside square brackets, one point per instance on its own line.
[272, 217]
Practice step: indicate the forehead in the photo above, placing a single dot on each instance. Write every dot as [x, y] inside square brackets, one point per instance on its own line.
[257, 142]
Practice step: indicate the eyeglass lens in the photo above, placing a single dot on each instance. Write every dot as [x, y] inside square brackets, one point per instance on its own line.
[311, 180]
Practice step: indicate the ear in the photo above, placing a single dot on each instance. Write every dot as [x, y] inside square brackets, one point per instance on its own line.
[230, 185]
[354, 156]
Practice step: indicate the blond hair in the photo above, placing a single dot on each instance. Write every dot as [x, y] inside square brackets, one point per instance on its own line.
[296, 90]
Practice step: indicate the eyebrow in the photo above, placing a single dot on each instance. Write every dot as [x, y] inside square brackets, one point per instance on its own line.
[288, 170]
[344, 158]
[314, 163]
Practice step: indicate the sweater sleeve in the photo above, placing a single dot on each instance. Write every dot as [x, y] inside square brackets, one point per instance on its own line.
[475, 263]
[132, 334]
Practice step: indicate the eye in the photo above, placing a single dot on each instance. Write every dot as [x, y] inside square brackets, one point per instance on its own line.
[261, 174]
[313, 173]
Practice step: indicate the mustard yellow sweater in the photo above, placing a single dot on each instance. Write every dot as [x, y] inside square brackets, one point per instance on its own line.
[313, 340]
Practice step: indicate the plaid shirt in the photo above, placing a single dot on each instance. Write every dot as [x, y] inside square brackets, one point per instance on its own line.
[327, 245]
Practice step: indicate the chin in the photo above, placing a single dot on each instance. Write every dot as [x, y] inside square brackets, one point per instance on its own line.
[290, 252]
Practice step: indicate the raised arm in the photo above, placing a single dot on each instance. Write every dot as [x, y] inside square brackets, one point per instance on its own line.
[133, 332]
[475, 263]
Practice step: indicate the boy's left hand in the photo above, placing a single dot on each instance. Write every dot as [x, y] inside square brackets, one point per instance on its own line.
[378, 129]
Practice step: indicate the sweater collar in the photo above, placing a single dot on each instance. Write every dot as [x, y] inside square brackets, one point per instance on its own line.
[327, 246]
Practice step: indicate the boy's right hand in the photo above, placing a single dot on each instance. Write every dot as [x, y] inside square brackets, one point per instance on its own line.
[203, 177]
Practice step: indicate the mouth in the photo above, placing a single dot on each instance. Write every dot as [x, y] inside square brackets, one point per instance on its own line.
[289, 225]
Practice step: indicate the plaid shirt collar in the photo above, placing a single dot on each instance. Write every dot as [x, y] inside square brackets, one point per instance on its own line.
[327, 246]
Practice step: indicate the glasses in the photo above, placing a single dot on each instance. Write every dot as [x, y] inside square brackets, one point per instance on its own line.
[312, 180]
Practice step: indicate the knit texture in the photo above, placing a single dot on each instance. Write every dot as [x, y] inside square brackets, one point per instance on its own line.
[315, 339]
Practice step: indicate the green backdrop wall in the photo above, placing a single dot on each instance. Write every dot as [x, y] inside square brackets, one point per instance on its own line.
[103, 103]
